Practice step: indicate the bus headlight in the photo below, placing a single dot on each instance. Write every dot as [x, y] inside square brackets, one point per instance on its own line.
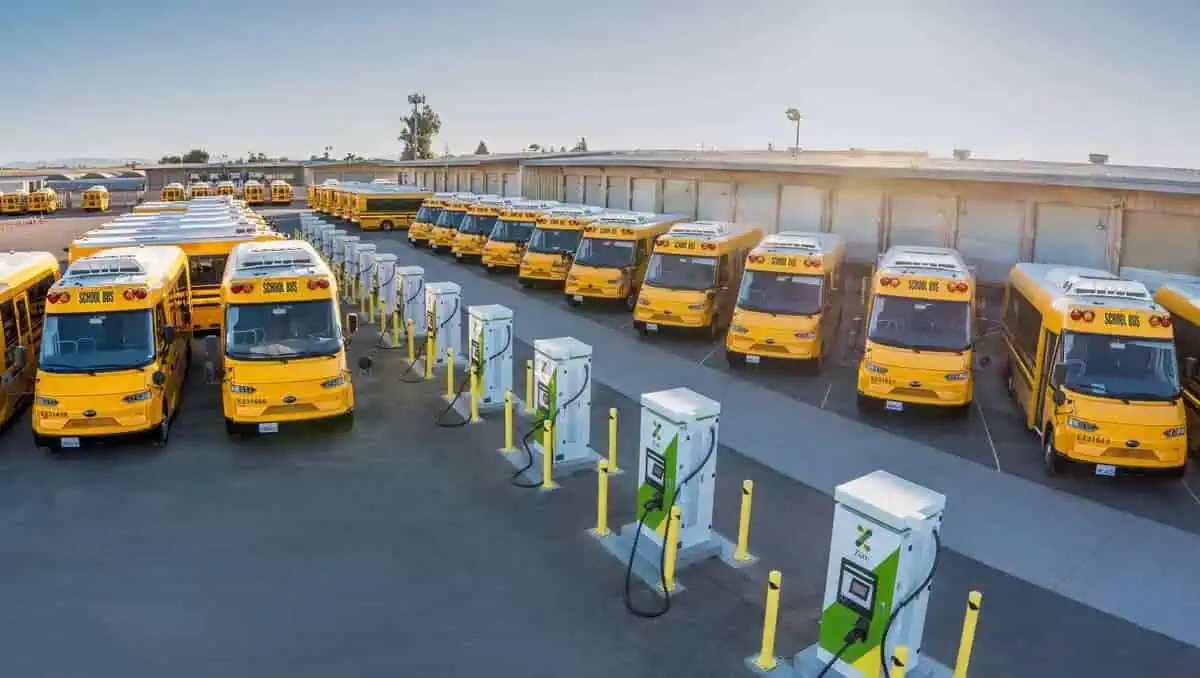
[45, 402]
[1175, 432]
[805, 335]
[957, 376]
[1077, 423]
[335, 382]
[239, 388]
[738, 329]
[877, 369]
[697, 307]
[138, 397]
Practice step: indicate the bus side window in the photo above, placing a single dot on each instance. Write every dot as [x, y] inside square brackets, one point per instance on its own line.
[723, 271]
[22, 314]
[160, 319]
[643, 251]
[10, 332]
[37, 300]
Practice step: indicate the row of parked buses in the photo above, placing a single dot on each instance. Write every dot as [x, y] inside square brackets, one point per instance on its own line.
[378, 205]
[41, 201]
[105, 346]
[279, 192]
[1103, 370]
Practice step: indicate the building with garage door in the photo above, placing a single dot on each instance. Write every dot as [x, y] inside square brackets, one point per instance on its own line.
[364, 171]
[498, 174]
[996, 212]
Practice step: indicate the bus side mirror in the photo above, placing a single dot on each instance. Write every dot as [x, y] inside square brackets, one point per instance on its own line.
[351, 324]
[169, 333]
[20, 358]
[159, 378]
[1190, 367]
[1060, 397]
[984, 361]
[1060, 374]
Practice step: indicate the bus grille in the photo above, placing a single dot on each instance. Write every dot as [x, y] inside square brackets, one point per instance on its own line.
[290, 409]
[1130, 453]
[914, 392]
[769, 348]
[92, 423]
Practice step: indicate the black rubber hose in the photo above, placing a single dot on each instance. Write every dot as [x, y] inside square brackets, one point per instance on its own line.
[515, 479]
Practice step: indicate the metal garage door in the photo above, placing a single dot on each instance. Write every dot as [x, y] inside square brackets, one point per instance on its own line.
[512, 184]
[918, 220]
[493, 184]
[645, 195]
[856, 215]
[989, 236]
[1069, 234]
[574, 189]
[758, 204]
[715, 203]
[593, 191]
[618, 193]
[800, 208]
[477, 184]
[1163, 242]
[679, 197]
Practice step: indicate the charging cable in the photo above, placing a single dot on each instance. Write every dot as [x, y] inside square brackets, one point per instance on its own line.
[515, 478]
[467, 380]
[653, 503]
[421, 351]
[857, 634]
[883, 653]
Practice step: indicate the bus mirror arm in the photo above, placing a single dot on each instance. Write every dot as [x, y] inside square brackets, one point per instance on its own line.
[1060, 397]
[159, 378]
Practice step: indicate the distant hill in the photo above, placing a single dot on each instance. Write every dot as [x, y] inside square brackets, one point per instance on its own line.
[73, 163]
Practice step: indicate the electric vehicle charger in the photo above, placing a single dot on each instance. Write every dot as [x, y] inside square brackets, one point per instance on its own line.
[420, 352]
[462, 385]
[937, 556]
[856, 635]
[654, 503]
[515, 479]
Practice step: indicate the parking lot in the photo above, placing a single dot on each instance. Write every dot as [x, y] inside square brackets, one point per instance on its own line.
[402, 546]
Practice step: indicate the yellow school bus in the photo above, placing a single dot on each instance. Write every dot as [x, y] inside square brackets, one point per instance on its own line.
[283, 355]
[200, 189]
[387, 208]
[207, 253]
[789, 305]
[161, 207]
[427, 216]
[96, 199]
[1092, 366]
[114, 353]
[693, 276]
[476, 227]
[172, 192]
[920, 317]
[226, 188]
[312, 196]
[14, 203]
[42, 201]
[281, 192]
[25, 280]
[1180, 296]
[610, 263]
[510, 236]
[254, 192]
[553, 243]
[342, 197]
[442, 235]
[324, 195]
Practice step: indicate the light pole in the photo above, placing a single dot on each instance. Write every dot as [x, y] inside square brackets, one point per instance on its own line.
[794, 115]
[416, 100]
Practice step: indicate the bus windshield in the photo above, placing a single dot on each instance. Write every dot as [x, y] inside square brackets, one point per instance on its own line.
[554, 240]
[450, 219]
[97, 342]
[921, 324]
[477, 224]
[429, 215]
[512, 231]
[282, 330]
[769, 292]
[1120, 367]
[678, 272]
[603, 253]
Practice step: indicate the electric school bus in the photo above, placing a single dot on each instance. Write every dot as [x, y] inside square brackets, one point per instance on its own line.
[476, 227]
[282, 356]
[254, 192]
[112, 361]
[14, 203]
[553, 243]
[510, 236]
[693, 276]
[919, 331]
[610, 262]
[1181, 298]
[172, 192]
[1092, 366]
[96, 199]
[385, 208]
[427, 216]
[25, 279]
[200, 189]
[441, 238]
[281, 192]
[789, 304]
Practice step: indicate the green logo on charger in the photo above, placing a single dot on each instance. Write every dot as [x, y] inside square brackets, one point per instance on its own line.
[864, 538]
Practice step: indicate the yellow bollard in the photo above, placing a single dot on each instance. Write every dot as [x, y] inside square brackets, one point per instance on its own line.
[547, 455]
[474, 394]
[601, 499]
[966, 644]
[396, 328]
[766, 655]
[412, 343]
[742, 552]
[528, 386]
[430, 351]
[450, 373]
[900, 662]
[371, 308]
[508, 421]
[612, 440]
[672, 547]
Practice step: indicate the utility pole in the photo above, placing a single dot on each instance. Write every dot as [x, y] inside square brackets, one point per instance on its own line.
[416, 100]
[794, 115]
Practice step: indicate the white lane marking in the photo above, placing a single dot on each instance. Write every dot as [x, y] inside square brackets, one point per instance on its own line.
[710, 354]
[1189, 489]
[826, 398]
[988, 431]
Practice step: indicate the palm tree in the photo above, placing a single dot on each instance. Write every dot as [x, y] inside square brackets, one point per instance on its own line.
[794, 115]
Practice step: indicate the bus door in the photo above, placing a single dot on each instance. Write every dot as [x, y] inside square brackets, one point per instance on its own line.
[1045, 386]
[172, 355]
[726, 289]
[641, 258]
[831, 311]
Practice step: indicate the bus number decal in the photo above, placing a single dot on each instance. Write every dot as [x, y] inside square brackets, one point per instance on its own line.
[924, 285]
[290, 287]
[96, 297]
[1122, 319]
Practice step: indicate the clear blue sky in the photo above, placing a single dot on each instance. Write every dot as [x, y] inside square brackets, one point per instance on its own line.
[1005, 78]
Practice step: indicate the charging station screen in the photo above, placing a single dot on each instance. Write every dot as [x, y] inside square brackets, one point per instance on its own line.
[859, 589]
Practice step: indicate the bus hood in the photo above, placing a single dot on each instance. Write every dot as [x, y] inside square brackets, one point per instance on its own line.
[937, 361]
[1138, 412]
[123, 382]
[769, 321]
[663, 297]
[279, 371]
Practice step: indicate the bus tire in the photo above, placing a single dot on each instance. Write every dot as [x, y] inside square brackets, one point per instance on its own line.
[162, 432]
[1052, 462]
[631, 300]
[641, 328]
[386, 225]
[232, 429]
[524, 282]
[714, 329]
[864, 405]
[961, 411]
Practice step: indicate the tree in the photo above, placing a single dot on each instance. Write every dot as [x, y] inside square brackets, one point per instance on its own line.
[481, 149]
[419, 129]
[350, 157]
[328, 150]
[533, 148]
[170, 160]
[196, 155]
[580, 146]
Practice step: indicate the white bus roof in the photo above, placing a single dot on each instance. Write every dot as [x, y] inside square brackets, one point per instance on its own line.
[283, 258]
[121, 266]
[793, 242]
[934, 261]
[1067, 284]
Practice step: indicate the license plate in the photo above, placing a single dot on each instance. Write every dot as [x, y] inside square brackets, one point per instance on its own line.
[69, 442]
[458, 255]
[1106, 470]
[578, 297]
[753, 359]
[268, 428]
[653, 327]
[894, 405]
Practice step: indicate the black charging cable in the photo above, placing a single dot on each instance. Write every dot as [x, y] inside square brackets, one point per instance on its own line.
[467, 379]
[857, 634]
[515, 478]
[883, 653]
[653, 503]
[435, 331]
